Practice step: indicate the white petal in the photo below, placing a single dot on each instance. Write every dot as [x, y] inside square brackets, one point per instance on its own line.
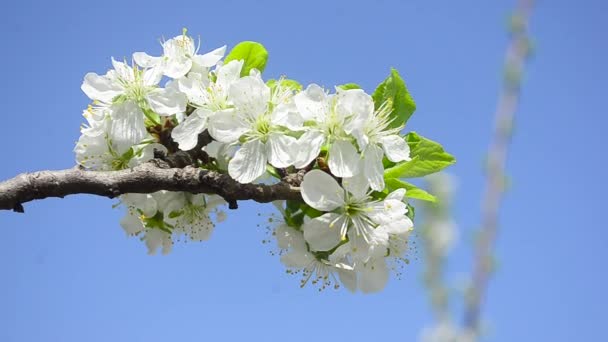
[131, 224]
[343, 159]
[100, 88]
[177, 67]
[186, 133]
[312, 103]
[250, 95]
[281, 149]
[153, 75]
[356, 185]
[146, 61]
[398, 226]
[213, 148]
[228, 73]
[309, 146]
[356, 105]
[210, 58]
[167, 101]
[193, 86]
[227, 126]
[297, 258]
[372, 166]
[249, 162]
[286, 114]
[156, 238]
[396, 148]
[348, 278]
[398, 194]
[321, 191]
[123, 71]
[323, 233]
[128, 126]
[373, 275]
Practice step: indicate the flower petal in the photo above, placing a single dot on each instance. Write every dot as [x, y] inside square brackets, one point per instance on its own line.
[131, 224]
[227, 126]
[250, 95]
[309, 147]
[186, 133]
[312, 102]
[373, 275]
[228, 73]
[146, 61]
[355, 105]
[280, 149]
[323, 233]
[249, 162]
[210, 58]
[343, 159]
[177, 67]
[321, 191]
[128, 126]
[395, 148]
[167, 101]
[372, 166]
[100, 88]
[356, 185]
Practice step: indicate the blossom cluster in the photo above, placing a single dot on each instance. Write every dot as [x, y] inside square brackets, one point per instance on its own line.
[352, 220]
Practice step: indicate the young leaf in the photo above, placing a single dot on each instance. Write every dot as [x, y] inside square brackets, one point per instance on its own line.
[427, 157]
[284, 82]
[348, 86]
[412, 191]
[394, 91]
[253, 54]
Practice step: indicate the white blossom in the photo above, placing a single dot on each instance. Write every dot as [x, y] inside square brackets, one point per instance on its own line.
[126, 83]
[180, 57]
[332, 119]
[208, 97]
[257, 123]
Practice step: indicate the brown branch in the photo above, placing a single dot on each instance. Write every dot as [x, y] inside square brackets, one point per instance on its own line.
[146, 178]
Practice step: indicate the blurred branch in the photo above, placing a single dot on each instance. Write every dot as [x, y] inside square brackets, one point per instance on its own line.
[516, 55]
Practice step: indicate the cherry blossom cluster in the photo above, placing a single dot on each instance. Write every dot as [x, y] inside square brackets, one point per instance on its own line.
[354, 220]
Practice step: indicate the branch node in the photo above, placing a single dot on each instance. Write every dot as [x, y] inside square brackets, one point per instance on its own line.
[232, 204]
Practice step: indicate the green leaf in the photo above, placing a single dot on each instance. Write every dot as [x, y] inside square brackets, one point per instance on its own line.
[253, 54]
[272, 171]
[348, 86]
[310, 211]
[427, 157]
[284, 82]
[393, 91]
[412, 191]
[411, 212]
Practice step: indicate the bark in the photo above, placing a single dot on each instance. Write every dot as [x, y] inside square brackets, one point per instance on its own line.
[146, 178]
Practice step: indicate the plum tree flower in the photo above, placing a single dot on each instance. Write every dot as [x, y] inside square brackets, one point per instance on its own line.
[117, 140]
[148, 214]
[125, 83]
[208, 97]
[180, 57]
[332, 119]
[376, 139]
[194, 218]
[258, 124]
[324, 270]
[335, 164]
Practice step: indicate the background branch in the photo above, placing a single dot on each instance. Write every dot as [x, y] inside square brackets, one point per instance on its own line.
[517, 52]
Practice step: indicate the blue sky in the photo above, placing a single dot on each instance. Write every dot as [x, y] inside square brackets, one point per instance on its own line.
[70, 274]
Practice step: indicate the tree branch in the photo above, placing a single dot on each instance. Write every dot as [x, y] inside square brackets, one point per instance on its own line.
[146, 178]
